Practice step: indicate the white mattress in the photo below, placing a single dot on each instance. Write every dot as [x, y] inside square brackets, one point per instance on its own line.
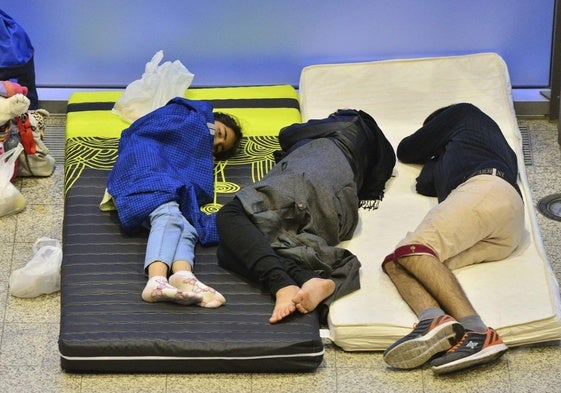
[518, 296]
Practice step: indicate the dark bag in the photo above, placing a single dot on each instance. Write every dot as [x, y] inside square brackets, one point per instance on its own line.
[16, 57]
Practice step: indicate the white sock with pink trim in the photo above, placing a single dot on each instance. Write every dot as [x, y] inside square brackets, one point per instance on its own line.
[158, 289]
[187, 282]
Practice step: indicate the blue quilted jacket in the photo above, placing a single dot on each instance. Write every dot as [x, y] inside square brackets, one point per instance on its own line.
[166, 156]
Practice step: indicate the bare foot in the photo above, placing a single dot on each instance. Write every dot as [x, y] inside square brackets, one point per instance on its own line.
[313, 292]
[284, 306]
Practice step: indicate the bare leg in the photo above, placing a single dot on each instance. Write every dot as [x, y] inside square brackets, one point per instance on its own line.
[414, 294]
[157, 268]
[313, 292]
[440, 283]
[181, 266]
[284, 306]
[430, 335]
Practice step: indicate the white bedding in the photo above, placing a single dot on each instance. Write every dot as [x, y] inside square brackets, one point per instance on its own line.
[518, 296]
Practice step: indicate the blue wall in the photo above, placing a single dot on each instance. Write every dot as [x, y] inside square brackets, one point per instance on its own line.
[229, 42]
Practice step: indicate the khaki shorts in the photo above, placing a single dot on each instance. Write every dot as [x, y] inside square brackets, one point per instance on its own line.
[481, 220]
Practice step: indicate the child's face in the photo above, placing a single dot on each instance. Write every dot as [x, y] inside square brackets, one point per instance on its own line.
[224, 138]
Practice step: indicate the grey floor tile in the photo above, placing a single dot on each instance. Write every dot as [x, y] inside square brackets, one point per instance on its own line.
[6, 260]
[378, 379]
[44, 190]
[122, 383]
[3, 301]
[544, 141]
[209, 383]
[41, 309]
[29, 344]
[543, 181]
[535, 369]
[323, 380]
[8, 232]
[40, 220]
[366, 360]
[33, 379]
[489, 378]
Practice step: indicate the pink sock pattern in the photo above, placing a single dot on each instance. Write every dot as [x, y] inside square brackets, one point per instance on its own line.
[187, 282]
[158, 289]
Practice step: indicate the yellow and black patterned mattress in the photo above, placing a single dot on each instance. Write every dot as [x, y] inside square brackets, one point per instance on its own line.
[105, 326]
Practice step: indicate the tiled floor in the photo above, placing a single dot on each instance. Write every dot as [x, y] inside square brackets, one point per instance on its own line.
[29, 360]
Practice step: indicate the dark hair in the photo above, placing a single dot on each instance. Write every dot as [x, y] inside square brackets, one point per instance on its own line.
[231, 122]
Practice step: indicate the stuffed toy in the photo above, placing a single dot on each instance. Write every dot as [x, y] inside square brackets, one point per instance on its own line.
[36, 159]
[12, 106]
[13, 101]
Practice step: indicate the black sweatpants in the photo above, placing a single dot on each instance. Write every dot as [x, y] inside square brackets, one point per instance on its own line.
[244, 249]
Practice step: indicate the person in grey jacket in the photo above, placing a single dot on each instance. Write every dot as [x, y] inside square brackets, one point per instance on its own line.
[283, 231]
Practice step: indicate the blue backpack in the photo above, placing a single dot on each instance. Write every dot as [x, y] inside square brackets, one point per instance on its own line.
[16, 57]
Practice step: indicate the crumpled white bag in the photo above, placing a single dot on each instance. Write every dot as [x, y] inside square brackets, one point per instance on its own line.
[11, 200]
[158, 85]
[41, 275]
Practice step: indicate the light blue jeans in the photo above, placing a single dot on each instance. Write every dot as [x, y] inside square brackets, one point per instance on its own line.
[172, 238]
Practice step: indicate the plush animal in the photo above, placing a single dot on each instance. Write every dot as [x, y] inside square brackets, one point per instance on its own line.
[18, 124]
[12, 106]
[35, 160]
[38, 119]
[13, 101]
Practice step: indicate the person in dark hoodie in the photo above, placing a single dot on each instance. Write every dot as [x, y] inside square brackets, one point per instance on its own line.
[470, 167]
[283, 231]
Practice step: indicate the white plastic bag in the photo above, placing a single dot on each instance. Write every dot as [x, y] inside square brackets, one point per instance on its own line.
[11, 200]
[158, 85]
[41, 275]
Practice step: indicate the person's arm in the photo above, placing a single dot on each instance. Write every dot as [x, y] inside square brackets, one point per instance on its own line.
[431, 139]
[424, 147]
[424, 144]
[425, 182]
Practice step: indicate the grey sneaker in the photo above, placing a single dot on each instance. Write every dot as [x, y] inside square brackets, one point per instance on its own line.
[473, 349]
[429, 337]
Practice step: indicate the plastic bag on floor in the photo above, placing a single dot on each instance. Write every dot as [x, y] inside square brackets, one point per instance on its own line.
[158, 85]
[11, 200]
[41, 275]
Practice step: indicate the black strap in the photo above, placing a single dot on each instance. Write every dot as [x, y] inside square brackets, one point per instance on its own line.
[216, 103]
[90, 106]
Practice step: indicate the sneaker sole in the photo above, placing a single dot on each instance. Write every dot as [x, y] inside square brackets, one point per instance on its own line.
[416, 352]
[485, 356]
